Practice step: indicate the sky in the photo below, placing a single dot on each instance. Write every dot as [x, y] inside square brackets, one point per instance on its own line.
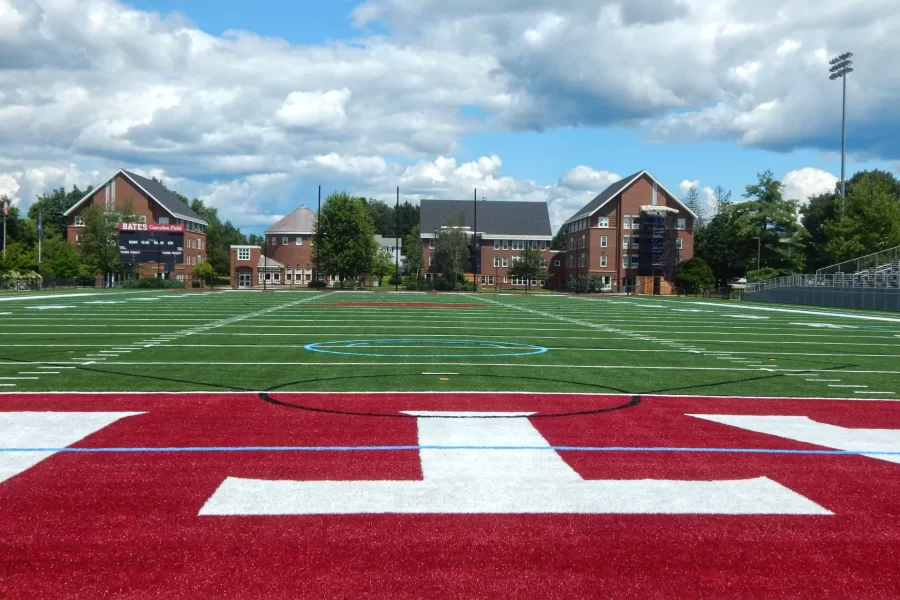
[252, 105]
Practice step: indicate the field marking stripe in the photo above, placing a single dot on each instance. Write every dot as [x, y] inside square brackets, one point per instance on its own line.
[433, 447]
[644, 397]
[782, 372]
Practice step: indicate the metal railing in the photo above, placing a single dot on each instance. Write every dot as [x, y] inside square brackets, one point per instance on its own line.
[876, 260]
[864, 280]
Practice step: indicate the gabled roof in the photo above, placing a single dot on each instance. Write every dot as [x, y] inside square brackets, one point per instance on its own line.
[155, 190]
[617, 188]
[496, 217]
[300, 220]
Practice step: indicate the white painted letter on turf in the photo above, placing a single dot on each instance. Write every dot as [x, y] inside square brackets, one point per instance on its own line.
[804, 429]
[472, 463]
[45, 430]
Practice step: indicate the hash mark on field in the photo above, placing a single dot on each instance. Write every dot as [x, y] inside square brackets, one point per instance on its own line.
[823, 380]
[847, 386]
[440, 373]
[38, 373]
[862, 392]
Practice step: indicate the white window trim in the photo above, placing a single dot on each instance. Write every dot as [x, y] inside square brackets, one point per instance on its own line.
[496, 244]
[603, 241]
[298, 241]
[602, 261]
[243, 254]
[79, 221]
[679, 244]
[603, 222]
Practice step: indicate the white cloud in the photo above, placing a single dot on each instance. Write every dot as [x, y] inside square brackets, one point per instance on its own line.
[685, 186]
[806, 182]
[586, 178]
[312, 110]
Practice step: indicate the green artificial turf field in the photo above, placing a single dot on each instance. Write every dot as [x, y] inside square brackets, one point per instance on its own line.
[334, 341]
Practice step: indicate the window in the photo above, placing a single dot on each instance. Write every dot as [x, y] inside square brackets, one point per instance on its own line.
[496, 261]
[298, 241]
[556, 263]
[505, 280]
[626, 222]
[602, 221]
[678, 243]
[490, 280]
[602, 261]
[655, 192]
[430, 261]
[78, 237]
[635, 222]
[543, 245]
[284, 241]
[581, 260]
[141, 219]
[603, 241]
[199, 259]
[625, 261]
[496, 244]
[164, 220]
[79, 221]
[243, 253]
[505, 262]
[635, 261]
[680, 224]
[199, 244]
[635, 242]
[582, 241]
[506, 244]
[483, 280]
[287, 275]
[431, 244]
[625, 241]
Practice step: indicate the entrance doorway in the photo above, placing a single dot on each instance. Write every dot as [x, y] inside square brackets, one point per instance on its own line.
[656, 286]
[244, 279]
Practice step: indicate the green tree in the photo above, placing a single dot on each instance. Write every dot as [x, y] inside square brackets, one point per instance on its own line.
[559, 240]
[255, 240]
[821, 209]
[692, 201]
[383, 217]
[870, 219]
[100, 237]
[723, 246]
[694, 275]
[344, 240]
[529, 264]
[383, 265]
[768, 215]
[451, 249]
[59, 258]
[407, 219]
[204, 272]
[51, 206]
[721, 199]
[414, 249]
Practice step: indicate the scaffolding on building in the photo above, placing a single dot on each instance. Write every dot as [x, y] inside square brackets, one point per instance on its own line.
[658, 255]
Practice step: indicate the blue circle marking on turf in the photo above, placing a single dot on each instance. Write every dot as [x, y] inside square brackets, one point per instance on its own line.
[355, 348]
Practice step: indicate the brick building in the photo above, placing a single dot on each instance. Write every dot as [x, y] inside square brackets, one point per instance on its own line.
[288, 257]
[167, 240]
[632, 235]
[504, 229]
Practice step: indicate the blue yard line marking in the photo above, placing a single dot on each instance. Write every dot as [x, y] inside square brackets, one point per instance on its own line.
[517, 349]
[401, 448]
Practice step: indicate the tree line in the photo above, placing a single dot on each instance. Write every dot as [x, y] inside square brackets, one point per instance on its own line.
[768, 236]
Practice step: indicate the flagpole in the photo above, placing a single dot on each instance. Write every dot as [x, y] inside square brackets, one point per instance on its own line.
[5, 210]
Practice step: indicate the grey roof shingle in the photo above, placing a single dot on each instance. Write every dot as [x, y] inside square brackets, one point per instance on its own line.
[494, 216]
[167, 199]
[601, 198]
[299, 220]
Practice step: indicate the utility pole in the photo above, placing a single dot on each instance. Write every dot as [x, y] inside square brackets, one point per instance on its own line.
[318, 234]
[840, 68]
[397, 242]
[475, 243]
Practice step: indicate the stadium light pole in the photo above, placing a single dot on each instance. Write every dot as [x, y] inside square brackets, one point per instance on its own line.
[840, 68]
[318, 235]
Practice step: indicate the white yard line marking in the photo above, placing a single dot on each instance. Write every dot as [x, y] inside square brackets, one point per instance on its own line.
[801, 312]
[60, 367]
[440, 373]
[7, 385]
[17, 378]
[38, 373]
[841, 385]
[823, 380]
[886, 393]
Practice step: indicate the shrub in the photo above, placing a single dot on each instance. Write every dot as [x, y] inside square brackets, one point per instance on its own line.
[316, 284]
[153, 283]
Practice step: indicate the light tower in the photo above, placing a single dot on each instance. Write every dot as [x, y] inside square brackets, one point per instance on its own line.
[840, 68]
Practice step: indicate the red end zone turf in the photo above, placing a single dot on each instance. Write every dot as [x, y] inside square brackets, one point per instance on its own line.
[138, 524]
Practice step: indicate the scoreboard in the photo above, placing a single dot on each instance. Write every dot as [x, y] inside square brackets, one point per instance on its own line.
[151, 242]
